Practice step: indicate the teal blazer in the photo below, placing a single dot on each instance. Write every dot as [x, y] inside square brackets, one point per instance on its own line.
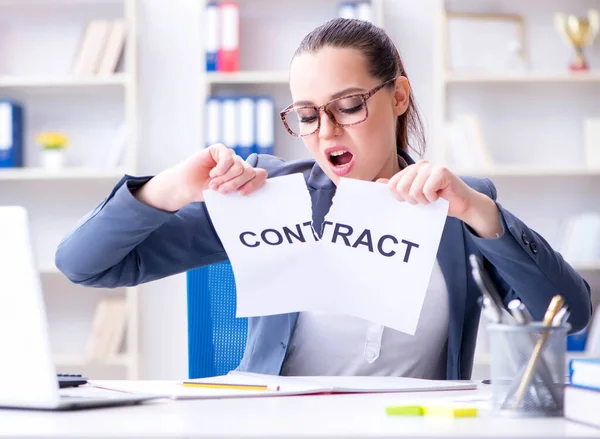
[124, 242]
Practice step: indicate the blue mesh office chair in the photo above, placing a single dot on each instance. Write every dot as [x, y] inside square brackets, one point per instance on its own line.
[216, 338]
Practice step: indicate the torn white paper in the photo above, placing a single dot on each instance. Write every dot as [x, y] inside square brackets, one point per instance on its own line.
[380, 253]
[270, 243]
[374, 260]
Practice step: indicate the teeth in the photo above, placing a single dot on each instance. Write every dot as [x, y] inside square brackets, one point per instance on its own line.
[337, 153]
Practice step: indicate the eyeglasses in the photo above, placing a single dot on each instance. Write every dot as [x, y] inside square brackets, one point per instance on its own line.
[343, 112]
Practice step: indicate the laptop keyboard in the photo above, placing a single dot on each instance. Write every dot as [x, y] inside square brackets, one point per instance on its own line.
[70, 380]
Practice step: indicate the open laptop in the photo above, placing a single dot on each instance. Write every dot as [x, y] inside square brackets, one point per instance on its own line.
[27, 373]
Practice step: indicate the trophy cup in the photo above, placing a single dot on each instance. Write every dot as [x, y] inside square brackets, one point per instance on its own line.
[579, 32]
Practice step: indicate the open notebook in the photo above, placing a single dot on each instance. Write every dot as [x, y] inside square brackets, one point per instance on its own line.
[285, 385]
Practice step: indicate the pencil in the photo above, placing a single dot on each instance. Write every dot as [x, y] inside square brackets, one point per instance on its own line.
[230, 386]
[555, 305]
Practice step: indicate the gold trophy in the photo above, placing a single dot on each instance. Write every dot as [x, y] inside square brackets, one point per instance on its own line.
[579, 32]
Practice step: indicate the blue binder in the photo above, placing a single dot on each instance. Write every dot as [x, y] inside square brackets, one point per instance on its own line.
[246, 138]
[265, 125]
[212, 36]
[11, 135]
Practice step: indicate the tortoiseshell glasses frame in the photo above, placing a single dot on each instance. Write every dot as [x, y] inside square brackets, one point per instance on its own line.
[363, 96]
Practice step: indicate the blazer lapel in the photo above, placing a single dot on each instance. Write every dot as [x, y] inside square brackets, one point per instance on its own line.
[451, 257]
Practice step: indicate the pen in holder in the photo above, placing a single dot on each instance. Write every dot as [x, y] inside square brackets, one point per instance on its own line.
[528, 368]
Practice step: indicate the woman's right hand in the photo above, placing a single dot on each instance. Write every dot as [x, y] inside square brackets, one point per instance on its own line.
[215, 167]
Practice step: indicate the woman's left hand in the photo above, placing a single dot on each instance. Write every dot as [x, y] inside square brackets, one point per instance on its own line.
[424, 183]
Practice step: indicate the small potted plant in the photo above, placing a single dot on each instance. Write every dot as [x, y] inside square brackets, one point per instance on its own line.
[53, 146]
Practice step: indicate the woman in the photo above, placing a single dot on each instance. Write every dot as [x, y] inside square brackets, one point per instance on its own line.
[354, 111]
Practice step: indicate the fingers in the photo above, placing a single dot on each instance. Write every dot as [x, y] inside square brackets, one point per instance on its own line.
[233, 168]
[416, 184]
[437, 180]
[232, 173]
[260, 176]
[401, 182]
[224, 159]
[415, 191]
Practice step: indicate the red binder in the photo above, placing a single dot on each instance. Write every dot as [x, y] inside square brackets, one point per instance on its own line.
[228, 58]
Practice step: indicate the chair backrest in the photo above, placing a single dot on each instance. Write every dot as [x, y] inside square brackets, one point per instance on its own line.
[216, 337]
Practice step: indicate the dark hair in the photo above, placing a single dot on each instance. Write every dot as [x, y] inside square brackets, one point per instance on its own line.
[383, 61]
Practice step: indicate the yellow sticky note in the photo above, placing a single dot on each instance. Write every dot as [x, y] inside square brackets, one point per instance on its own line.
[405, 410]
[450, 411]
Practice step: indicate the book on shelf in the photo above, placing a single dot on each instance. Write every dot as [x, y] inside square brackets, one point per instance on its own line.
[100, 48]
[361, 10]
[467, 146]
[11, 134]
[108, 328]
[591, 139]
[112, 155]
[581, 238]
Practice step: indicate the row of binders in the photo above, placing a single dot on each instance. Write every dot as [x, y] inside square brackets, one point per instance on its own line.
[100, 48]
[222, 27]
[222, 37]
[361, 10]
[244, 123]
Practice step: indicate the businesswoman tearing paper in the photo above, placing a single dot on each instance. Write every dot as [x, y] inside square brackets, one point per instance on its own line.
[354, 110]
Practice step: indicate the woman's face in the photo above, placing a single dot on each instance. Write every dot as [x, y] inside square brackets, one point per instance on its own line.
[365, 151]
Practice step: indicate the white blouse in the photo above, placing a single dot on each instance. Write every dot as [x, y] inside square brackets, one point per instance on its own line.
[327, 344]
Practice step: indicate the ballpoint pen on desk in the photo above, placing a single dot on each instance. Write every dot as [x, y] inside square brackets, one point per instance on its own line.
[231, 386]
[555, 305]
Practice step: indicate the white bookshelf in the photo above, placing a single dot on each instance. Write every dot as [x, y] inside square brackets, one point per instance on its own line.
[532, 126]
[63, 174]
[119, 80]
[529, 171]
[248, 77]
[89, 109]
[561, 77]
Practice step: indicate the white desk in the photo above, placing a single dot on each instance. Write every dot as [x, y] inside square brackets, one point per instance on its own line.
[311, 417]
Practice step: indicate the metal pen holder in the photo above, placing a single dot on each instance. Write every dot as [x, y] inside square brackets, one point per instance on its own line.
[528, 368]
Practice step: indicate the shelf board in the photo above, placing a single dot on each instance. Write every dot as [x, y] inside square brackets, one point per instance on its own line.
[477, 78]
[48, 270]
[62, 82]
[527, 171]
[248, 77]
[79, 360]
[32, 174]
[586, 266]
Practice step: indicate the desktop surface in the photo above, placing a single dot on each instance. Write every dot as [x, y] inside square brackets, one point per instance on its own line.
[311, 416]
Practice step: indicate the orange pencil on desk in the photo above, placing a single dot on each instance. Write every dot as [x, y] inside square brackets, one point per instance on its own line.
[231, 386]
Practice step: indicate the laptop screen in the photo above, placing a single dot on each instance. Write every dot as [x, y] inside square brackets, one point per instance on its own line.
[26, 370]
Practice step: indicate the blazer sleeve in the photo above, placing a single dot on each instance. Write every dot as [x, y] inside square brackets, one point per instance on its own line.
[526, 267]
[124, 242]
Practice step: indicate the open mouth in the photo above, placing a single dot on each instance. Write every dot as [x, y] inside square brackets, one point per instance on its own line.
[340, 158]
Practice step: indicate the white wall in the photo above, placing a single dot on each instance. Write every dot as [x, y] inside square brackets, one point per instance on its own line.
[169, 73]
[170, 68]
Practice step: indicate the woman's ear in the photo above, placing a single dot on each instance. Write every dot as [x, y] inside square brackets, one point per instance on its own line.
[401, 96]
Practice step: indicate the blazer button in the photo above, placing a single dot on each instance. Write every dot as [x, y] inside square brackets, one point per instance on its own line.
[533, 247]
[524, 238]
